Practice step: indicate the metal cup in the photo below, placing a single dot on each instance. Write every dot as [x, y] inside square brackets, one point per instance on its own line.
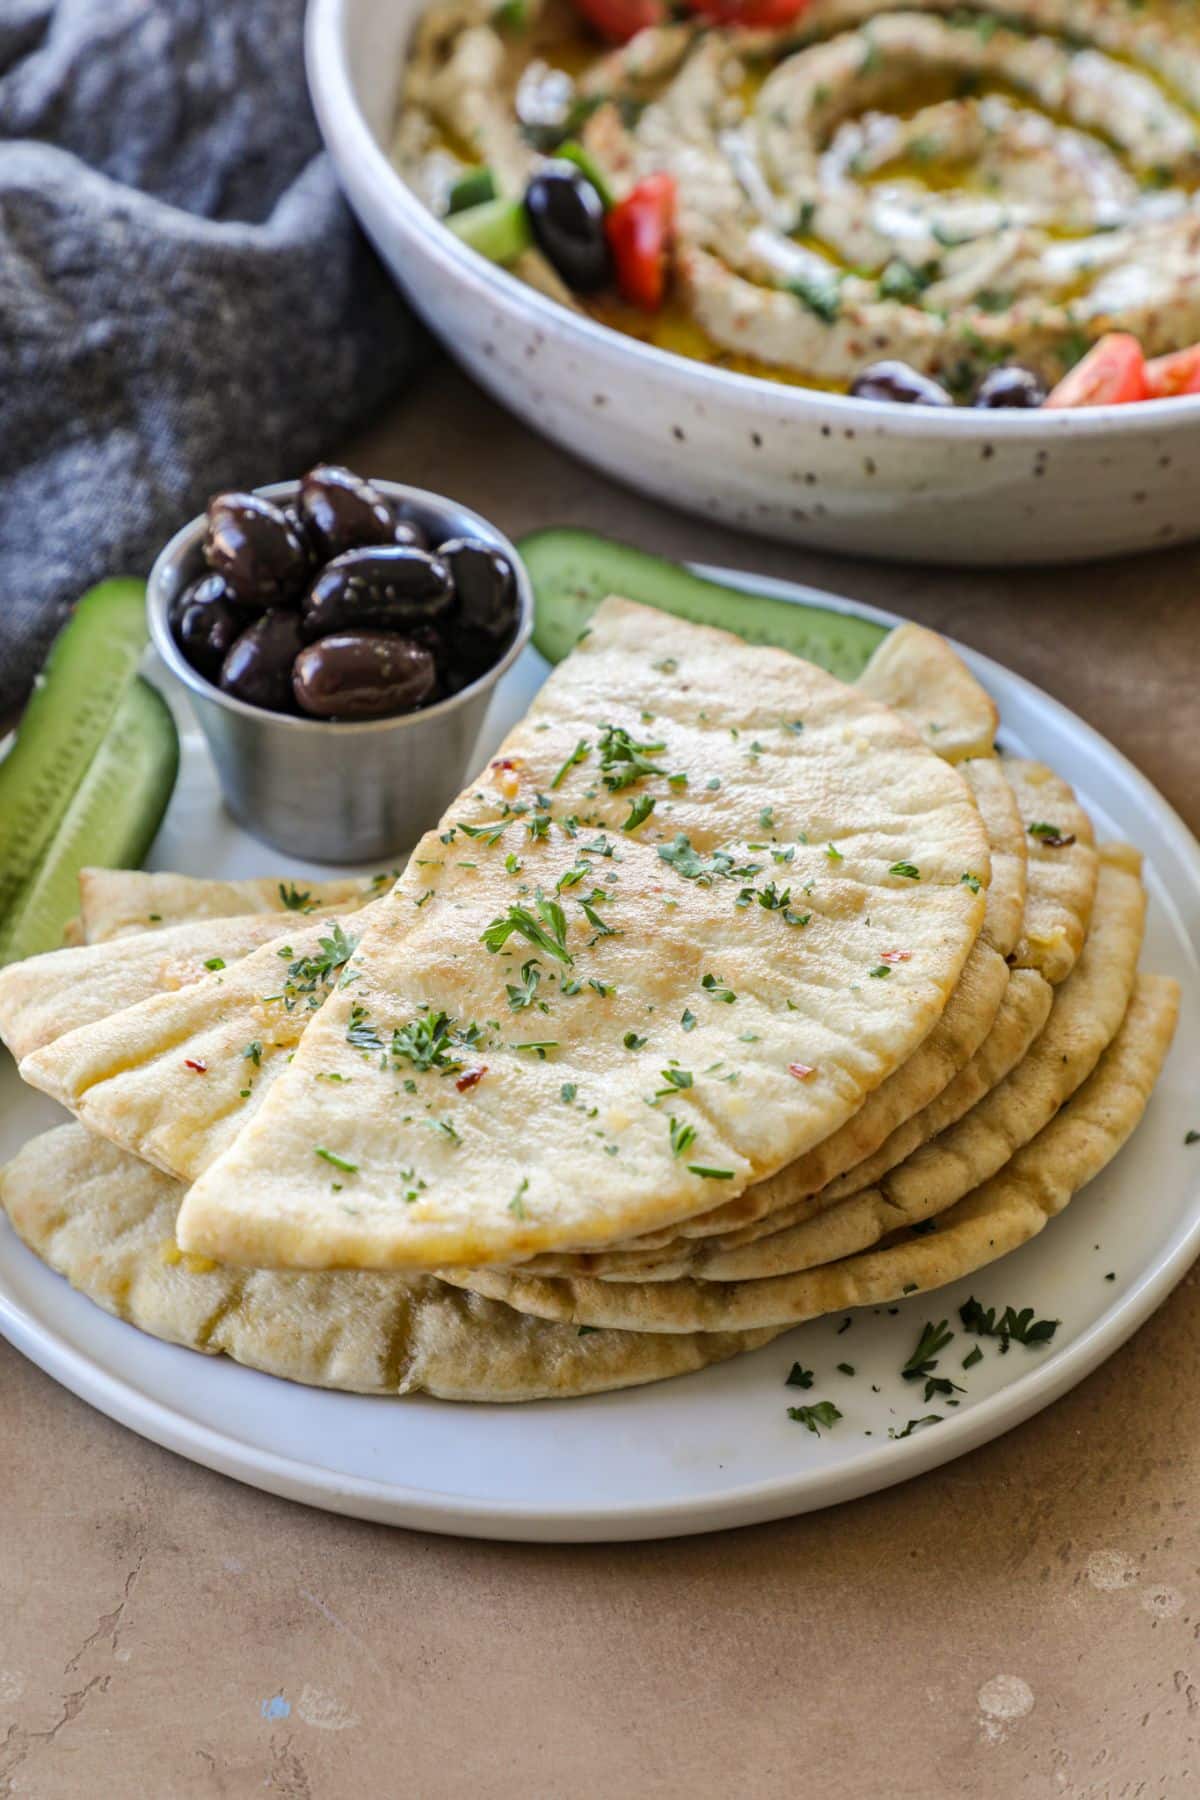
[324, 791]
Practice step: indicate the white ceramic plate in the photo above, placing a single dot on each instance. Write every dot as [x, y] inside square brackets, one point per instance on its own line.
[716, 1448]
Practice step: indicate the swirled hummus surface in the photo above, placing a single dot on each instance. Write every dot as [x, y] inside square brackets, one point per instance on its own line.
[955, 186]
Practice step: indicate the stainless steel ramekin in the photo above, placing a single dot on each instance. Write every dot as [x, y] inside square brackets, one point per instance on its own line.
[328, 792]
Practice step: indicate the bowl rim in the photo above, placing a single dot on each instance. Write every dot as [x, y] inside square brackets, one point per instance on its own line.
[348, 135]
[188, 537]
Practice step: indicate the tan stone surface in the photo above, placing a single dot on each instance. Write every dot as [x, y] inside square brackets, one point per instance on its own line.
[1024, 1622]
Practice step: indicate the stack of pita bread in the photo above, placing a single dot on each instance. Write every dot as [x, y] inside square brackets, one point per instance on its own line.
[729, 995]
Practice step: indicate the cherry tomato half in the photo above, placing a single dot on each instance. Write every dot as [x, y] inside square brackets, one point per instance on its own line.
[639, 235]
[751, 13]
[619, 20]
[1179, 373]
[1112, 373]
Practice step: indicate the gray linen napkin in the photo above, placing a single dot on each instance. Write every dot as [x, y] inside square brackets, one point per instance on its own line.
[185, 301]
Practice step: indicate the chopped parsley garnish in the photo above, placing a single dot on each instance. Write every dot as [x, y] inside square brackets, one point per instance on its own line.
[715, 988]
[307, 972]
[253, 1053]
[971, 881]
[799, 1376]
[639, 812]
[215, 963]
[1191, 1137]
[930, 1344]
[845, 1368]
[632, 1041]
[339, 1162]
[572, 877]
[516, 1205]
[1051, 835]
[940, 1384]
[820, 297]
[593, 918]
[908, 870]
[524, 993]
[821, 1415]
[490, 834]
[677, 1079]
[834, 854]
[361, 1033]
[710, 1174]
[624, 761]
[688, 1020]
[682, 1136]
[577, 755]
[972, 1357]
[432, 1041]
[880, 971]
[567, 1092]
[1019, 1327]
[766, 819]
[296, 900]
[549, 935]
[539, 1046]
[915, 1425]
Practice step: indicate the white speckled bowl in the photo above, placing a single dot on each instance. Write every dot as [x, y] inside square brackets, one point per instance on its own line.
[821, 469]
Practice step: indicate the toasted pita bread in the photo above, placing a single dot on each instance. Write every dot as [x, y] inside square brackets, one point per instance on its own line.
[793, 755]
[107, 1223]
[45, 997]
[997, 1217]
[1062, 870]
[118, 903]
[916, 672]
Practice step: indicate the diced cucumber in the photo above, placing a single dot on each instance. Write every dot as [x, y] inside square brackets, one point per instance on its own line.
[572, 571]
[89, 668]
[499, 229]
[574, 152]
[472, 188]
[110, 822]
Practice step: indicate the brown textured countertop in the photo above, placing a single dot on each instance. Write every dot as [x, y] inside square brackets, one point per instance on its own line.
[1025, 1621]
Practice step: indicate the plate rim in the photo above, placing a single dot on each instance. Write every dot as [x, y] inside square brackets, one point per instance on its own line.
[749, 1502]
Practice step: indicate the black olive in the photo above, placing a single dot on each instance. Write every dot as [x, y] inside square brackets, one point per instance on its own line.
[204, 625]
[391, 587]
[342, 511]
[258, 668]
[566, 216]
[1010, 386]
[897, 382]
[363, 675]
[251, 543]
[485, 585]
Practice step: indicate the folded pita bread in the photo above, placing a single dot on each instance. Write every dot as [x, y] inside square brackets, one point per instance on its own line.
[1062, 869]
[995, 1218]
[45, 997]
[774, 753]
[120, 902]
[916, 672]
[107, 1223]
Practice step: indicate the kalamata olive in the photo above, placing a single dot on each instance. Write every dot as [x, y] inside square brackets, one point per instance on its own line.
[363, 675]
[342, 511]
[485, 585]
[258, 668]
[251, 543]
[1010, 386]
[897, 382]
[204, 625]
[566, 216]
[390, 587]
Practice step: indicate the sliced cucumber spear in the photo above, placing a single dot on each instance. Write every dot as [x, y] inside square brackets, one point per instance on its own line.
[85, 686]
[572, 571]
[110, 822]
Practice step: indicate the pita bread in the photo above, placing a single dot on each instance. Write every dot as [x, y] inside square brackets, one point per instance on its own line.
[45, 997]
[510, 1167]
[175, 1078]
[119, 902]
[997, 1217]
[916, 672]
[959, 1034]
[1083, 1021]
[1062, 870]
[107, 1223]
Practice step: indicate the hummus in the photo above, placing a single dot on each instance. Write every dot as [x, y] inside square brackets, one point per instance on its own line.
[954, 186]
